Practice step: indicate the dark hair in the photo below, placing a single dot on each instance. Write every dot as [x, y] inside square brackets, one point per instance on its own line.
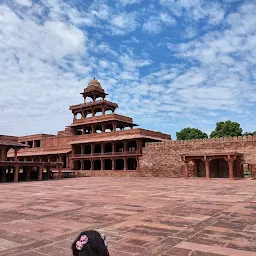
[94, 247]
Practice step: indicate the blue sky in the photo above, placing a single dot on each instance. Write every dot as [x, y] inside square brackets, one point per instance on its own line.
[169, 64]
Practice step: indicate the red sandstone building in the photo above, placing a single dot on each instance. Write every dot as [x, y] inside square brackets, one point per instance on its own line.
[100, 142]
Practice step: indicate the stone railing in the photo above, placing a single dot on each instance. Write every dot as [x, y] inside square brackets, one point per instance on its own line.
[102, 118]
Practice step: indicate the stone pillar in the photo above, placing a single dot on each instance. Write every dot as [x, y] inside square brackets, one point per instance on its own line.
[101, 164]
[40, 174]
[102, 148]
[93, 112]
[83, 114]
[15, 154]
[113, 164]
[231, 168]
[113, 148]
[93, 129]
[28, 174]
[3, 174]
[125, 163]
[91, 165]
[114, 126]
[103, 128]
[82, 164]
[67, 161]
[16, 173]
[103, 111]
[186, 169]
[48, 172]
[92, 149]
[60, 172]
[125, 147]
[207, 168]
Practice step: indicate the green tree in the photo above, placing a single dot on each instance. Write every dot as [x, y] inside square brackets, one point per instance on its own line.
[249, 133]
[190, 134]
[227, 129]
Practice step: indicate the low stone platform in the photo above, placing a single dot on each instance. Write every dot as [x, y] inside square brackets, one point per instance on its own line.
[140, 216]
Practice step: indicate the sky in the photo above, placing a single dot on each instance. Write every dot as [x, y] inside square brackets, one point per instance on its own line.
[169, 64]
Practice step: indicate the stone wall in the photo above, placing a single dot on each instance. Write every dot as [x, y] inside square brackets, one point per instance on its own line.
[162, 159]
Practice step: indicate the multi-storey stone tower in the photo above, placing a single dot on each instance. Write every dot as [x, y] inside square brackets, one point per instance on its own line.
[105, 140]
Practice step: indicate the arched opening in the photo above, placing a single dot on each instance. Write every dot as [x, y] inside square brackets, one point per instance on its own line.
[87, 149]
[78, 131]
[53, 158]
[200, 168]
[98, 129]
[119, 147]
[97, 149]
[77, 150]
[107, 164]
[88, 130]
[22, 176]
[10, 174]
[132, 164]
[87, 165]
[108, 148]
[89, 114]
[109, 111]
[247, 170]
[132, 146]
[64, 161]
[97, 165]
[78, 115]
[98, 112]
[119, 164]
[34, 173]
[219, 168]
[77, 165]
[11, 153]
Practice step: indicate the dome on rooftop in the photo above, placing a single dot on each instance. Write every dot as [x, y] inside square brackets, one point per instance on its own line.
[94, 82]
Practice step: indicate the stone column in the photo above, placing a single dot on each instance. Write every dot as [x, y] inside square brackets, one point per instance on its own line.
[82, 164]
[16, 173]
[114, 126]
[28, 173]
[60, 172]
[102, 164]
[103, 128]
[125, 147]
[91, 165]
[125, 163]
[207, 168]
[67, 161]
[186, 169]
[40, 174]
[231, 168]
[103, 111]
[93, 112]
[92, 149]
[102, 148]
[113, 148]
[83, 114]
[15, 154]
[113, 164]
[82, 149]
[48, 172]
[93, 129]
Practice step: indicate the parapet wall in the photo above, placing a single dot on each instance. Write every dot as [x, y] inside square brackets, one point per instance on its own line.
[164, 158]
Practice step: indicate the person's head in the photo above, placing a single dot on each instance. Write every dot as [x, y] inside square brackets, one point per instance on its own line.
[90, 243]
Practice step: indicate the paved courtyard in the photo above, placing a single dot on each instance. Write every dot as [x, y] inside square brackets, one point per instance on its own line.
[140, 216]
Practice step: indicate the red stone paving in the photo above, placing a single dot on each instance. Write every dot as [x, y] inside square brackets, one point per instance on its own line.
[140, 216]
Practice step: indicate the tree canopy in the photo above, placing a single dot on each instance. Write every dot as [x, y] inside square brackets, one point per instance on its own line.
[227, 129]
[249, 133]
[190, 134]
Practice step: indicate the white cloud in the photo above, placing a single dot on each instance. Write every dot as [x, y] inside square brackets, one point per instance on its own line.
[24, 2]
[129, 2]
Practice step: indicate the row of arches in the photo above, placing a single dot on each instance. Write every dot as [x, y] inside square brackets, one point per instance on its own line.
[106, 164]
[93, 112]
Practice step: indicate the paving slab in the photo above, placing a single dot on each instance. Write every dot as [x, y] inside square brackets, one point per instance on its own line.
[139, 216]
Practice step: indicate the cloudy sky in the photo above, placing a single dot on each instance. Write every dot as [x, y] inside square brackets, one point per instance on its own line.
[169, 64]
